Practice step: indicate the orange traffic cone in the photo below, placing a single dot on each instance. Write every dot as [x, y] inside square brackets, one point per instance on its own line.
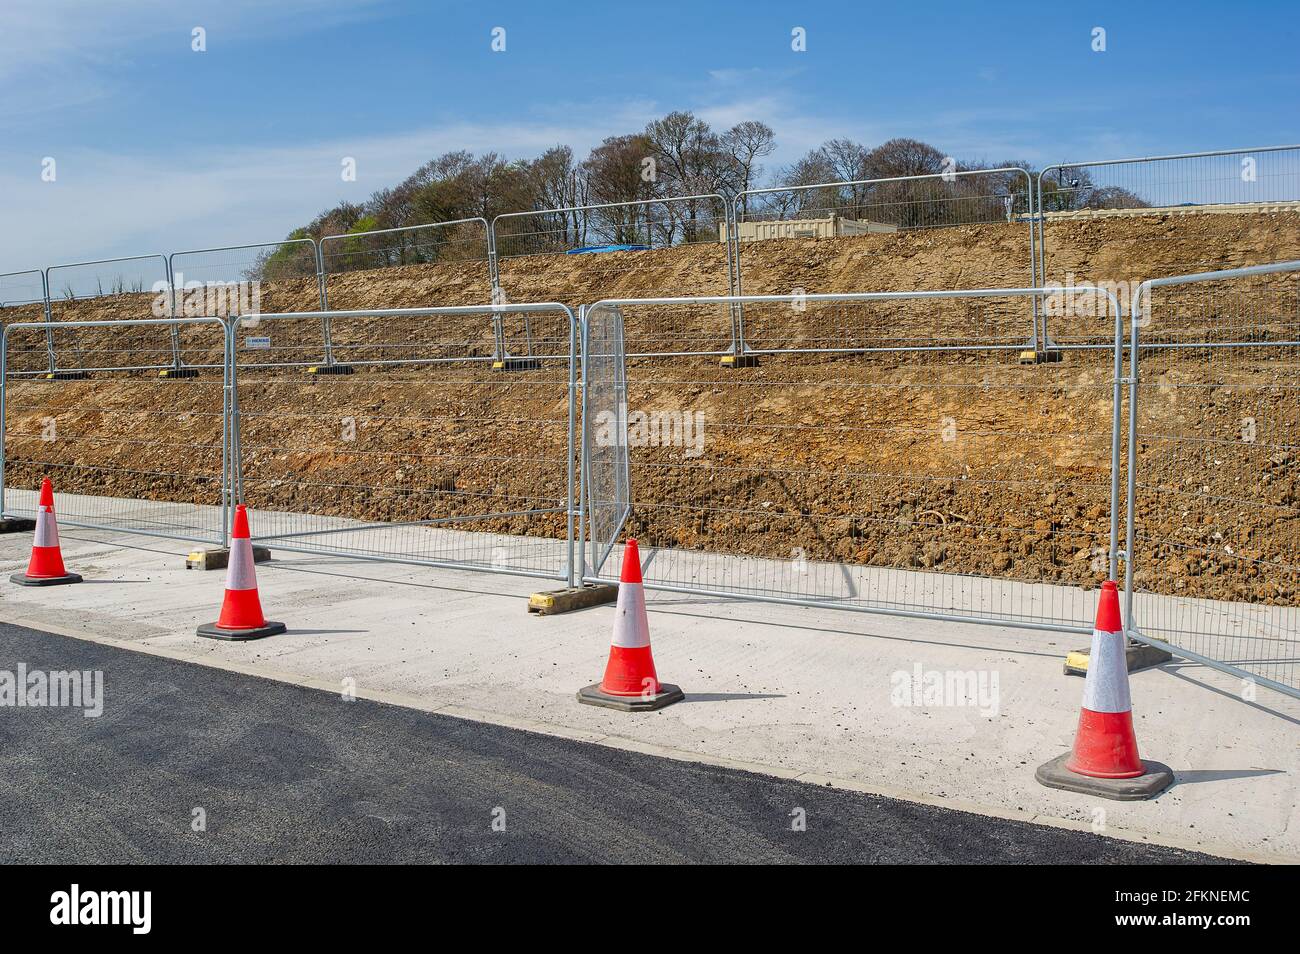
[1105, 758]
[630, 682]
[46, 565]
[241, 613]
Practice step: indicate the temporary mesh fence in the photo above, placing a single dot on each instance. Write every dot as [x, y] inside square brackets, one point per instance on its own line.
[1181, 211]
[878, 452]
[421, 447]
[536, 250]
[348, 263]
[127, 450]
[1213, 517]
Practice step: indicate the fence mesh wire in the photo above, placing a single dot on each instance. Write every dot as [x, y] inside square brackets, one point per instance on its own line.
[116, 288]
[884, 210]
[580, 255]
[126, 450]
[21, 288]
[604, 461]
[951, 482]
[241, 280]
[269, 261]
[424, 453]
[1175, 215]
[124, 289]
[1217, 432]
[22, 299]
[349, 264]
[1177, 185]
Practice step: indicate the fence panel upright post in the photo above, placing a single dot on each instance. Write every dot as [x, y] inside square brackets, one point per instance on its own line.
[49, 332]
[320, 275]
[733, 277]
[171, 311]
[227, 378]
[583, 479]
[1035, 240]
[4, 373]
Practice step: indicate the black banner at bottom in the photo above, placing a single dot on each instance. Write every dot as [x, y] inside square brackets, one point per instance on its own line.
[215, 904]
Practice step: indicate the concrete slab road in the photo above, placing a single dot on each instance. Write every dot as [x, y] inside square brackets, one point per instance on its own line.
[280, 772]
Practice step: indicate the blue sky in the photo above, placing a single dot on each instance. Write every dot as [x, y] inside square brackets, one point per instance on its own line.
[160, 148]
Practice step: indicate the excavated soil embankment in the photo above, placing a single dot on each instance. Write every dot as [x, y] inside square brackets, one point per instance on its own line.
[961, 462]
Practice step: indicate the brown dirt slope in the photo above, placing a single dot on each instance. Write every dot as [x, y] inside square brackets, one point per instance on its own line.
[960, 461]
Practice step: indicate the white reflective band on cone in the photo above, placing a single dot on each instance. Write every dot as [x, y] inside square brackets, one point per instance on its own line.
[240, 575]
[1106, 686]
[631, 628]
[47, 530]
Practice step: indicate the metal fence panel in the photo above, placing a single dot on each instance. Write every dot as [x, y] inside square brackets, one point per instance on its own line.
[881, 208]
[1174, 194]
[127, 451]
[605, 480]
[611, 238]
[133, 283]
[935, 480]
[23, 297]
[464, 243]
[1219, 181]
[425, 453]
[289, 266]
[229, 280]
[1212, 532]
[885, 206]
[22, 288]
[132, 288]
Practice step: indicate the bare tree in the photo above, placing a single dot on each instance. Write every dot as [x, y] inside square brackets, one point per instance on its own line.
[913, 204]
[689, 160]
[746, 143]
[848, 162]
[614, 175]
[812, 169]
[558, 184]
[1115, 197]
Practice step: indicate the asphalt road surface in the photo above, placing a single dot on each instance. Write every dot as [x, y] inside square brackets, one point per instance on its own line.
[283, 773]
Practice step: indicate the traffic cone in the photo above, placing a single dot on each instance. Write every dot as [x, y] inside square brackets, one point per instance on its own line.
[241, 612]
[630, 682]
[46, 565]
[1105, 758]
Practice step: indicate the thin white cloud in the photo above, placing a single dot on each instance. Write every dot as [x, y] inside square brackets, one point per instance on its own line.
[60, 53]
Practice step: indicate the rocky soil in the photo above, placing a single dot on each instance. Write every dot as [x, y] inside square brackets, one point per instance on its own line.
[961, 461]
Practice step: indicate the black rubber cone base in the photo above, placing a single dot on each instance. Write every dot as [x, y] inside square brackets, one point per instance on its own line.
[22, 579]
[213, 631]
[667, 695]
[1153, 781]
